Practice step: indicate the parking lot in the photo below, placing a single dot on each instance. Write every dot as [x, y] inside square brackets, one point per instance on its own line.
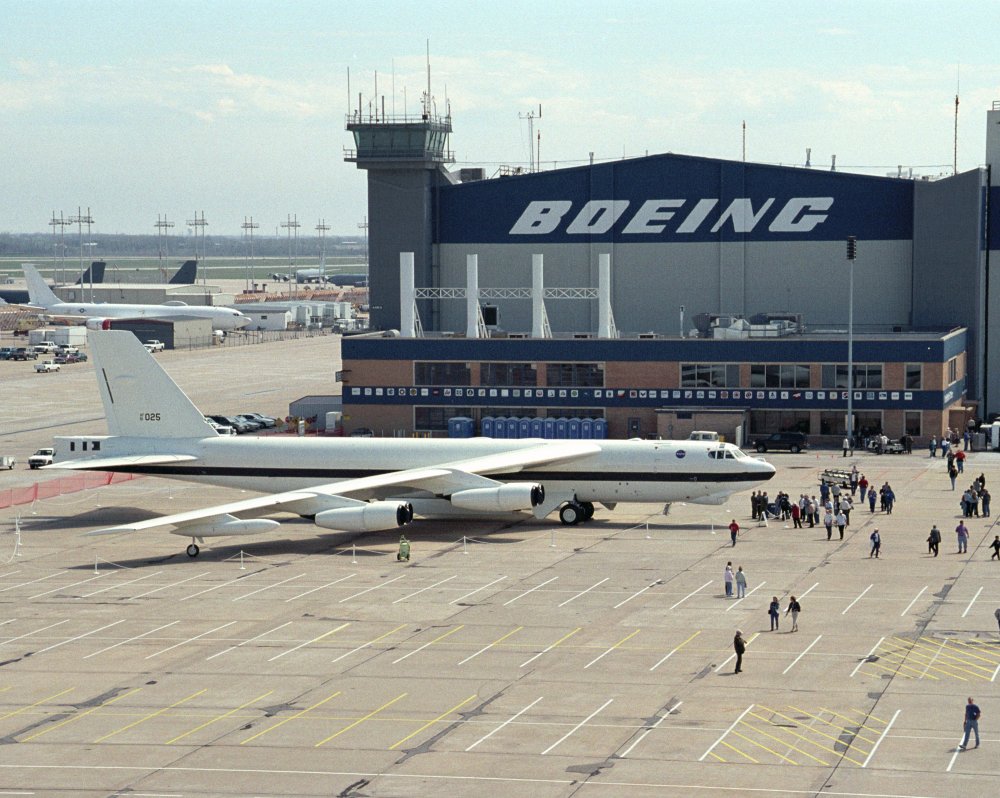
[503, 659]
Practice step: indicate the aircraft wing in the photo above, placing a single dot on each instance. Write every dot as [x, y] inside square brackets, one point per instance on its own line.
[104, 463]
[444, 479]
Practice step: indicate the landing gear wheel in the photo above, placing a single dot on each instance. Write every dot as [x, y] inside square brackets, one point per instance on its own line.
[192, 550]
[571, 514]
[588, 510]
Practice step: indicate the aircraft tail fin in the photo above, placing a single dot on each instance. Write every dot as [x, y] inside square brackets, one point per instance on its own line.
[140, 399]
[94, 273]
[38, 290]
[187, 274]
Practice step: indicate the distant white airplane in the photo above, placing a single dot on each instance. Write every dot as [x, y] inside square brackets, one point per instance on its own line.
[43, 298]
[371, 484]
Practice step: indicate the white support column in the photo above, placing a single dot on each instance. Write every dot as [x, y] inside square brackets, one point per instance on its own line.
[538, 321]
[472, 296]
[605, 319]
[407, 298]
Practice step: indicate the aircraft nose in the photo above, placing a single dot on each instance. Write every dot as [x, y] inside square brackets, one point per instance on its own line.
[241, 321]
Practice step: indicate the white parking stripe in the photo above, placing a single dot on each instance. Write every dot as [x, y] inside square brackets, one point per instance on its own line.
[914, 601]
[328, 584]
[429, 587]
[112, 587]
[31, 582]
[578, 726]
[137, 637]
[810, 590]
[878, 742]
[642, 736]
[314, 640]
[65, 587]
[536, 587]
[733, 604]
[258, 637]
[172, 584]
[857, 599]
[190, 640]
[511, 719]
[636, 594]
[79, 637]
[29, 634]
[583, 592]
[370, 589]
[800, 656]
[867, 656]
[972, 602]
[672, 606]
[267, 587]
[723, 735]
[223, 584]
[460, 598]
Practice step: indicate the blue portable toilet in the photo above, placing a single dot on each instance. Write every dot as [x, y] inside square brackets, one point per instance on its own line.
[587, 428]
[459, 427]
[538, 428]
[500, 427]
[512, 427]
[562, 427]
[574, 429]
[486, 426]
[524, 427]
[600, 428]
[549, 428]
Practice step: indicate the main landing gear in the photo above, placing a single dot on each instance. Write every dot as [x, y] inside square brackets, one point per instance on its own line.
[575, 512]
[192, 549]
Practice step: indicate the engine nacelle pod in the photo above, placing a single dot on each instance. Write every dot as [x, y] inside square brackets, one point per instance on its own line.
[371, 517]
[501, 499]
[225, 525]
[98, 323]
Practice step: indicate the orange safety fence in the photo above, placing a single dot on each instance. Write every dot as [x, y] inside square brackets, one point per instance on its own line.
[61, 487]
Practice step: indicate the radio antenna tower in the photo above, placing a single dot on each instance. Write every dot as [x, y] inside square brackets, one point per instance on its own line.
[80, 220]
[954, 167]
[292, 225]
[321, 229]
[162, 225]
[531, 116]
[363, 225]
[59, 249]
[248, 226]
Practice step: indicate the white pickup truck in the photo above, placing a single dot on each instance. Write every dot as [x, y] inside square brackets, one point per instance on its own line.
[46, 366]
[155, 346]
[42, 457]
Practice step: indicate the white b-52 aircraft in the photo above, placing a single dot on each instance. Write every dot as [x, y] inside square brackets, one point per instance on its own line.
[43, 298]
[371, 484]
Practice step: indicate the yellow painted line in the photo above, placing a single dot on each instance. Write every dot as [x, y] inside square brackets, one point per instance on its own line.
[738, 751]
[601, 656]
[966, 645]
[370, 642]
[939, 647]
[298, 714]
[40, 701]
[359, 721]
[899, 657]
[428, 645]
[150, 716]
[432, 722]
[860, 712]
[80, 715]
[712, 753]
[562, 639]
[220, 717]
[945, 667]
[496, 642]
[783, 742]
[692, 637]
[857, 734]
[761, 745]
[826, 748]
[4, 690]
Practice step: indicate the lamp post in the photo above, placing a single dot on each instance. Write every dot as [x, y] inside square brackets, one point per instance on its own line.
[852, 253]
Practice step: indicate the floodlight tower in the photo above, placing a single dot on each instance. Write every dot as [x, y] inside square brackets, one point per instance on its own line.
[79, 220]
[162, 225]
[199, 225]
[248, 226]
[292, 224]
[59, 249]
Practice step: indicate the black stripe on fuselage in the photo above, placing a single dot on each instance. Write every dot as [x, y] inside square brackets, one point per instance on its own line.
[320, 475]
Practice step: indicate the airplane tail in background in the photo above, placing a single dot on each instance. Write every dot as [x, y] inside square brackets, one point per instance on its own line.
[187, 274]
[140, 399]
[38, 290]
[94, 273]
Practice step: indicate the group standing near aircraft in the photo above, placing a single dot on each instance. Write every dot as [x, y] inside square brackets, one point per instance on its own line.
[372, 484]
[43, 298]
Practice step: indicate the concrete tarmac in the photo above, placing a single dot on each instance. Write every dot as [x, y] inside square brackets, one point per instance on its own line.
[503, 659]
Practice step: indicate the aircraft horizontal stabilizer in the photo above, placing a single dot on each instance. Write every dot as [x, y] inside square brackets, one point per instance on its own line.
[111, 463]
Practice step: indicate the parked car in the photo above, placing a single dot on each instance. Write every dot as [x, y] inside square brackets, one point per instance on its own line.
[7, 461]
[6, 352]
[42, 457]
[222, 429]
[793, 442]
[266, 422]
[155, 346]
[252, 423]
[240, 426]
[46, 366]
[24, 353]
[362, 432]
[45, 348]
[71, 357]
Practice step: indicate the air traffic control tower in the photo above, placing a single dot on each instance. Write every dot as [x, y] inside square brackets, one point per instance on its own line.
[405, 158]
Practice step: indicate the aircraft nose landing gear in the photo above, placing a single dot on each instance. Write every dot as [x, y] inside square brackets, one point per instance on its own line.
[192, 549]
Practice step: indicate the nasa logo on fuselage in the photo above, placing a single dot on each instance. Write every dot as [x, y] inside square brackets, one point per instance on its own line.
[680, 454]
[685, 217]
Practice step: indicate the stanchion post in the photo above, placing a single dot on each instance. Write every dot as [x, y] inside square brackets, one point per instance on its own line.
[465, 545]
[95, 563]
[242, 566]
[552, 544]
[647, 530]
[354, 554]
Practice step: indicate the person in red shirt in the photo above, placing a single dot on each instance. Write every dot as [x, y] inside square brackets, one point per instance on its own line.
[960, 460]
[734, 530]
[863, 484]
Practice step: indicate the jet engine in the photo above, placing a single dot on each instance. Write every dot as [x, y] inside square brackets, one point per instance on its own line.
[501, 499]
[370, 517]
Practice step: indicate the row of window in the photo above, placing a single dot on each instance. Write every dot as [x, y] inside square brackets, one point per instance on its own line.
[868, 422]
[435, 418]
[693, 375]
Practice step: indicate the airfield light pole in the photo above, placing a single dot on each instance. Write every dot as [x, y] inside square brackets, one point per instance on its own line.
[59, 247]
[363, 225]
[852, 253]
[79, 220]
[162, 225]
[199, 225]
[292, 224]
[249, 225]
[321, 229]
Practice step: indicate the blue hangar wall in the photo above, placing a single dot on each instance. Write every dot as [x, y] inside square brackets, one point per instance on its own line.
[723, 237]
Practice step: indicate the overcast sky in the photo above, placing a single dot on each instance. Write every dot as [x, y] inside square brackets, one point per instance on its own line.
[237, 109]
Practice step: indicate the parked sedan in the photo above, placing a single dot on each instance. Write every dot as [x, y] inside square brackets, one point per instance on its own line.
[265, 422]
[237, 424]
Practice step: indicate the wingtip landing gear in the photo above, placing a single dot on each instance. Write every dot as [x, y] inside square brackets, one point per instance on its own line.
[192, 549]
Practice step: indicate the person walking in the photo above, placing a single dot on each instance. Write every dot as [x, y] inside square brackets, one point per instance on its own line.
[828, 523]
[841, 522]
[863, 486]
[734, 530]
[795, 608]
[796, 516]
[984, 497]
[876, 540]
[728, 579]
[847, 445]
[889, 499]
[995, 545]
[846, 505]
[960, 460]
[854, 480]
[997, 616]
[739, 646]
[972, 715]
[741, 583]
[933, 446]
[934, 540]
[773, 611]
[962, 533]
[952, 474]
[871, 500]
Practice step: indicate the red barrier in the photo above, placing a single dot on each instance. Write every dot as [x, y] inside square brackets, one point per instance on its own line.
[60, 487]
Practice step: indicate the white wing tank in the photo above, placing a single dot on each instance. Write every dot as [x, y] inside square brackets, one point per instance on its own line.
[140, 400]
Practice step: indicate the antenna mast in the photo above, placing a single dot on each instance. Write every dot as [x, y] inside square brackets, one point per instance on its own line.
[531, 116]
[954, 168]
